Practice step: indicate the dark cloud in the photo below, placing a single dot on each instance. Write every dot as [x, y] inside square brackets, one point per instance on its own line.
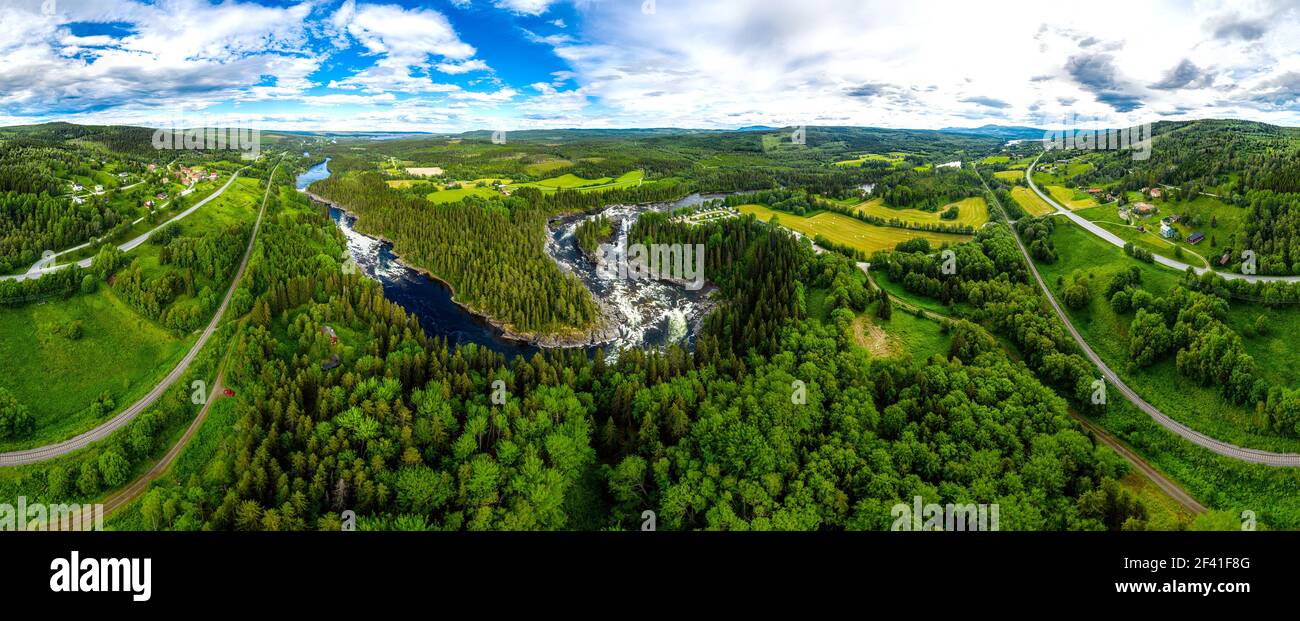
[1097, 73]
[1120, 101]
[1185, 75]
[988, 102]
[1282, 91]
[1236, 27]
[870, 89]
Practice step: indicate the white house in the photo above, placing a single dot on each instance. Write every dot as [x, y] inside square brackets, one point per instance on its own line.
[1166, 231]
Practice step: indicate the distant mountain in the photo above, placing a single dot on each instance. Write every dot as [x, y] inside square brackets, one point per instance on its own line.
[1005, 132]
[755, 128]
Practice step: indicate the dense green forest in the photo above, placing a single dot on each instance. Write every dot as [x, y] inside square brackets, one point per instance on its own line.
[407, 435]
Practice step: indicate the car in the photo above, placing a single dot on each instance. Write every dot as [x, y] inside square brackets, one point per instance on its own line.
[228, 392]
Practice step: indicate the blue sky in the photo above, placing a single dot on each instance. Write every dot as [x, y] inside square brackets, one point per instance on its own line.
[455, 65]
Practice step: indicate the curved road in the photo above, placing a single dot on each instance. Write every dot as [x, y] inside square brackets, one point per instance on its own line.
[1114, 239]
[37, 271]
[1253, 456]
[50, 451]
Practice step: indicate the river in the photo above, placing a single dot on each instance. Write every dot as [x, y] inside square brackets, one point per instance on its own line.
[647, 313]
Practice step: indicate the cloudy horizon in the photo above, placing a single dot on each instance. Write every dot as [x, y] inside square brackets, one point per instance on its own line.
[457, 65]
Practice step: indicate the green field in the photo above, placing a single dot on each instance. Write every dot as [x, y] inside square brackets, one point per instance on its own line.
[972, 211]
[1070, 199]
[1009, 175]
[458, 194]
[571, 181]
[894, 159]
[904, 334]
[119, 353]
[546, 166]
[1032, 203]
[851, 232]
[1200, 407]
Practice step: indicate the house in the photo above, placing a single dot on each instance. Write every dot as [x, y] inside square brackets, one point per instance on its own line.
[77, 200]
[121, 175]
[1094, 191]
[1144, 209]
[1227, 256]
[1123, 213]
[162, 196]
[332, 363]
[1167, 231]
[153, 167]
[1156, 192]
[99, 188]
[1195, 238]
[148, 204]
[77, 187]
[1142, 228]
[328, 331]
[1174, 218]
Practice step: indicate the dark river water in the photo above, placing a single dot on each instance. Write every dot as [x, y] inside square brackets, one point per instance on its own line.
[648, 313]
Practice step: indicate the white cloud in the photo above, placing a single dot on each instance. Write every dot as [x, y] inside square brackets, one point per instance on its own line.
[525, 7]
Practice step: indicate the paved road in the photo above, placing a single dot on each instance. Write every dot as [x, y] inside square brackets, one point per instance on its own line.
[37, 272]
[39, 454]
[1093, 228]
[1222, 448]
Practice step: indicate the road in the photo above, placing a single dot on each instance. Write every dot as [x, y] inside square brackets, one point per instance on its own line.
[1253, 456]
[37, 271]
[50, 451]
[1115, 240]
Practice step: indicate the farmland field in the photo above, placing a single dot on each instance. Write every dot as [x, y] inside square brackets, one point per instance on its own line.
[972, 211]
[894, 159]
[1071, 199]
[458, 194]
[1009, 175]
[571, 181]
[1030, 202]
[849, 231]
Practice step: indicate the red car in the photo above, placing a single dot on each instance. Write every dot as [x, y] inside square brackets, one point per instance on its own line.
[228, 392]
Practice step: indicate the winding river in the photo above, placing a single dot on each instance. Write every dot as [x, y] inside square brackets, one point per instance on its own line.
[647, 313]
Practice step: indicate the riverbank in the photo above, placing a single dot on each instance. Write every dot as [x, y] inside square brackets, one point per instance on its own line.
[604, 333]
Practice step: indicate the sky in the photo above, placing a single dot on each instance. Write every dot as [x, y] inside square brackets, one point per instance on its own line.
[456, 65]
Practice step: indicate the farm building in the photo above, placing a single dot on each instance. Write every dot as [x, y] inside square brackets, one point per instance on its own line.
[332, 363]
[1144, 209]
[328, 331]
[1195, 238]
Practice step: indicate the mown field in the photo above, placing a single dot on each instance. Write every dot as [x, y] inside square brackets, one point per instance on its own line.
[1070, 199]
[972, 211]
[842, 229]
[894, 159]
[1032, 203]
[1009, 175]
[571, 181]
[1199, 407]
